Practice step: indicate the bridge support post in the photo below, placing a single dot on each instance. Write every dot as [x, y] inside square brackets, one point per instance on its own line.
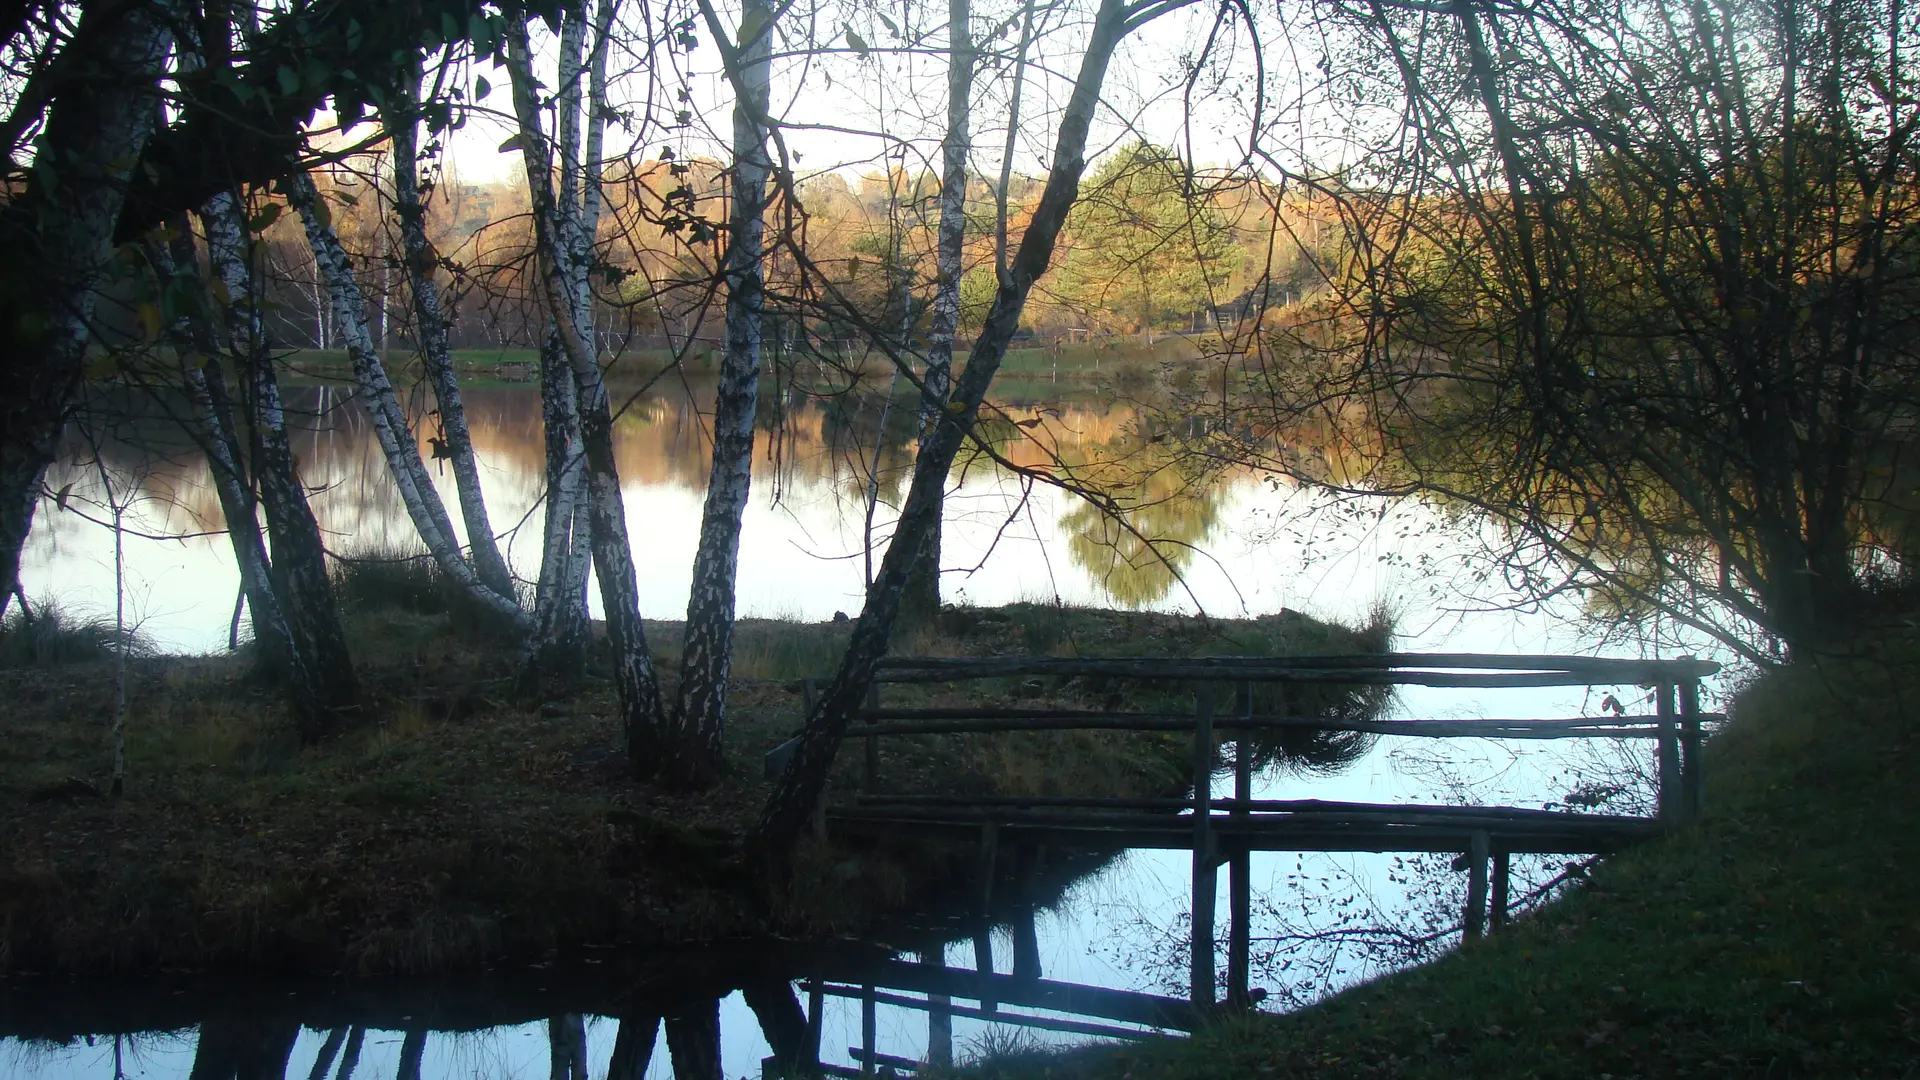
[1692, 779]
[816, 997]
[1670, 802]
[1478, 853]
[1502, 874]
[1205, 866]
[983, 937]
[939, 1015]
[1240, 867]
[868, 1029]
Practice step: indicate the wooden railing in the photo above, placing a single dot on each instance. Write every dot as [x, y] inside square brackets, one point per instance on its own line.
[1227, 830]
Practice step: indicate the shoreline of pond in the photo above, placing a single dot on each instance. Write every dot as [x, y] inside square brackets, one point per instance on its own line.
[459, 828]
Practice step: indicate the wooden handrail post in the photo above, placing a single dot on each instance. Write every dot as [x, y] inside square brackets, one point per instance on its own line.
[1669, 754]
[1502, 882]
[1692, 764]
[983, 938]
[873, 744]
[1479, 847]
[1205, 866]
[816, 997]
[868, 1029]
[1240, 867]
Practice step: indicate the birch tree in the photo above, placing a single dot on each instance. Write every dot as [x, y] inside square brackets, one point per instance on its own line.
[390, 424]
[430, 329]
[694, 739]
[922, 600]
[636, 682]
[58, 233]
[321, 675]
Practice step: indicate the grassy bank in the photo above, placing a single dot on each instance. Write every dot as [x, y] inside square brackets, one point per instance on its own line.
[458, 826]
[1778, 938]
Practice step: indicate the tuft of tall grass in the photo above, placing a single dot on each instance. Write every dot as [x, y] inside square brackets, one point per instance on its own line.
[390, 578]
[50, 636]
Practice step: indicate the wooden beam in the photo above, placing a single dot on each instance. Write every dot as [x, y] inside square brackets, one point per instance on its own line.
[1623, 669]
[1240, 882]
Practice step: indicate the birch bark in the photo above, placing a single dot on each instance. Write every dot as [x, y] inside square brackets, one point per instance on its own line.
[922, 599]
[390, 425]
[698, 724]
[58, 236]
[431, 327]
[634, 676]
[327, 684]
[802, 785]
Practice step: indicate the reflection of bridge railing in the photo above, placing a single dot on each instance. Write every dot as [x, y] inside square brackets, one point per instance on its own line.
[1226, 831]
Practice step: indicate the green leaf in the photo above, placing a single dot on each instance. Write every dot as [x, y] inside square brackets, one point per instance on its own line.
[289, 80]
[859, 43]
[60, 498]
[265, 218]
[513, 143]
[481, 88]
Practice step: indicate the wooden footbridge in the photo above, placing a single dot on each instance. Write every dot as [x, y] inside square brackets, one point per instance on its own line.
[1225, 831]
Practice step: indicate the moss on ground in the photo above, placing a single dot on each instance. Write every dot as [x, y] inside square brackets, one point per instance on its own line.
[1777, 938]
[458, 826]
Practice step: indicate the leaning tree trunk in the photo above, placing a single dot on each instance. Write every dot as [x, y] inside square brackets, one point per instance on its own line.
[58, 237]
[803, 783]
[633, 1046]
[431, 329]
[390, 425]
[634, 676]
[922, 599]
[558, 644]
[326, 682]
[694, 750]
[207, 388]
[557, 647]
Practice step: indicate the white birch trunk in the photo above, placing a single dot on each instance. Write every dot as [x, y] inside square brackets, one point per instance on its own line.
[390, 426]
[321, 679]
[923, 586]
[431, 326]
[699, 721]
[634, 675]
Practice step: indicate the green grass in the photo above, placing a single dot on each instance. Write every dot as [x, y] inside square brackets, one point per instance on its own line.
[1779, 937]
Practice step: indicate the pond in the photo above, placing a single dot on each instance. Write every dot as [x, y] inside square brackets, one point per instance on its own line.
[1247, 545]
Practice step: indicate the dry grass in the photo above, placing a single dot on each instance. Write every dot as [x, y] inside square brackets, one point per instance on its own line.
[457, 827]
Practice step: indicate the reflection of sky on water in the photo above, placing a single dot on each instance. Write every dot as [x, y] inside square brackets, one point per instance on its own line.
[1264, 548]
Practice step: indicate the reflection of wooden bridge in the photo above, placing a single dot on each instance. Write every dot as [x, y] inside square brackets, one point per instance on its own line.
[1225, 831]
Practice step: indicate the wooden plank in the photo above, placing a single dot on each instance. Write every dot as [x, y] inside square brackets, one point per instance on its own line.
[1194, 671]
[1478, 851]
[1267, 814]
[1669, 757]
[815, 992]
[1205, 867]
[868, 1032]
[1042, 1023]
[1377, 838]
[972, 721]
[1099, 1002]
[1621, 668]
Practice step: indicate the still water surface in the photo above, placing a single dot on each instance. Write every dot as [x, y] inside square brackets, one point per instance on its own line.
[1246, 545]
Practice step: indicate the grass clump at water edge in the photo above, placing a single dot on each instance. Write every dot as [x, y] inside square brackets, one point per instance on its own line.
[47, 635]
